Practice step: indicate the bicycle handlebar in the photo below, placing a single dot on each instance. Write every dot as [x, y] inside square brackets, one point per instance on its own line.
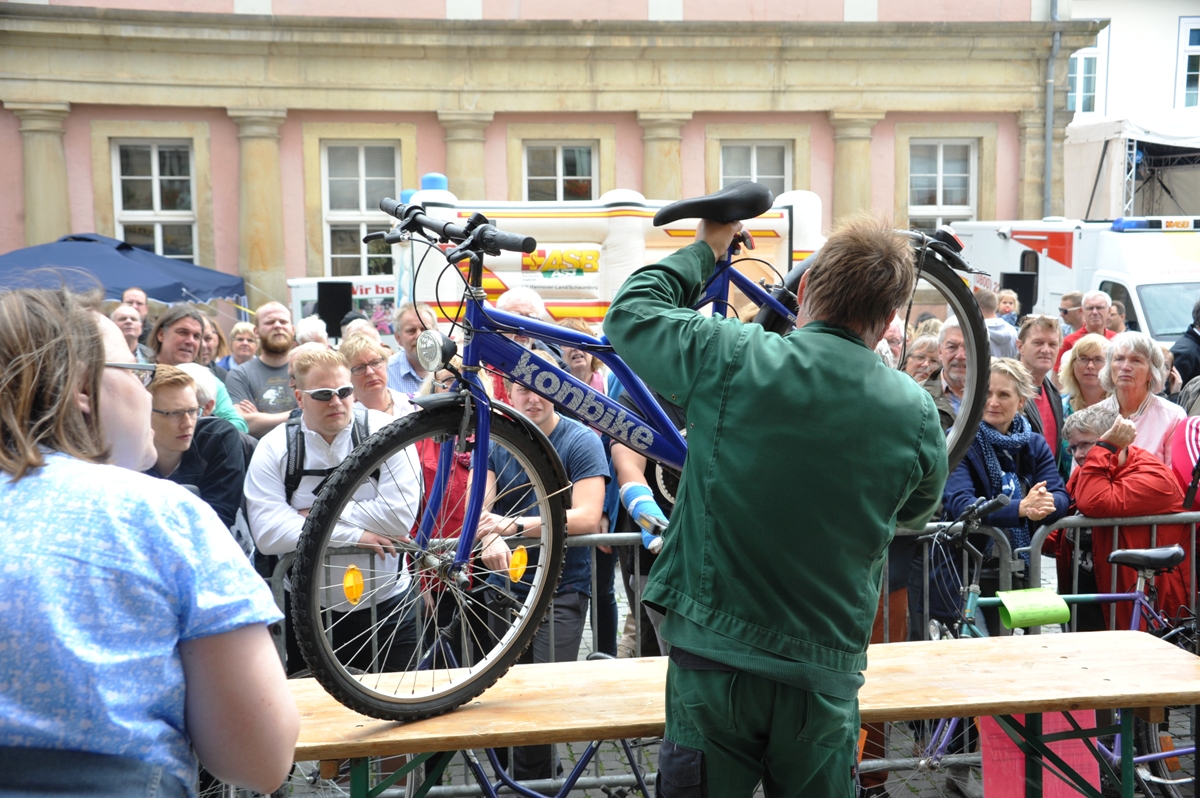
[478, 230]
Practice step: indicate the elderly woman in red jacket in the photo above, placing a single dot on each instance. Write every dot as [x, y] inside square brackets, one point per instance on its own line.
[1113, 479]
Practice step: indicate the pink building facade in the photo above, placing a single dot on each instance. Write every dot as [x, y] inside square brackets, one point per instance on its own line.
[255, 136]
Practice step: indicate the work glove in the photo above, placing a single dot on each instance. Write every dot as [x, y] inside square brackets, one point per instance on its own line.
[644, 511]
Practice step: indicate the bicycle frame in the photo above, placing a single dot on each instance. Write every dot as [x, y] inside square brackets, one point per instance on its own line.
[651, 433]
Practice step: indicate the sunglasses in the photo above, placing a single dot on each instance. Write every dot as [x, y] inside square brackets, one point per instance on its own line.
[326, 394]
[145, 371]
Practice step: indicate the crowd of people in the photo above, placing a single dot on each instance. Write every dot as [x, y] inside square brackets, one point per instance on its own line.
[1081, 414]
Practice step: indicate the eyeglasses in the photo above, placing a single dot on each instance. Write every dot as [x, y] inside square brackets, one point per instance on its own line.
[145, 371]
[1095, 309]
[1090, 361]
[374, 365]
[326, 394]
[178, 415]
[1082, 447]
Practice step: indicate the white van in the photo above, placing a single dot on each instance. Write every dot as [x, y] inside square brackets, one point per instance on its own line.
[1151, 264]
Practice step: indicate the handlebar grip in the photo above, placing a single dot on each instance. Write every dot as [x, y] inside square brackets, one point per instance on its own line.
[392, 207]
[989, 507]
[512, 242]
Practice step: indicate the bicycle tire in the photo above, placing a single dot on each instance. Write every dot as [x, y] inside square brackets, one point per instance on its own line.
[1147, 740]
[963, 307]
[500, 624]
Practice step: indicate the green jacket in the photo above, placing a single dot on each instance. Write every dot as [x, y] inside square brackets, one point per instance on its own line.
[804, 451]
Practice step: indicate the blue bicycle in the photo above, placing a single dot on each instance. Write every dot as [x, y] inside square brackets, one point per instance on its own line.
[452, 623]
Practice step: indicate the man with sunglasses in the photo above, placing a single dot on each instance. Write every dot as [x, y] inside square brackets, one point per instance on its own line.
[1070, 310]
[277, 512]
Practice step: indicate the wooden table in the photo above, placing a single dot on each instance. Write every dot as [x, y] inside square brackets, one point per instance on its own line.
[614, 699]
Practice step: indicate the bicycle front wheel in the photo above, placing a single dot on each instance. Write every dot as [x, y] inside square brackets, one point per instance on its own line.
[409, 636]
[948, 287]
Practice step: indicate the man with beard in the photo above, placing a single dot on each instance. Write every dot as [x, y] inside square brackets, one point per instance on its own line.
[260, 386]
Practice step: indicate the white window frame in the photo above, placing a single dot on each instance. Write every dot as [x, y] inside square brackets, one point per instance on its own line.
[1186, 25]
[754, 145]
[155, 218]
[1075, 94]
[363, 217]
[594, 146]
[941, 212]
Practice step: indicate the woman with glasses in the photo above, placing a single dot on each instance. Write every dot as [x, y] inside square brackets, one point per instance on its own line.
[143, 630]
[243, 345]
[1079, 374]
[922, 360]
[1134, 371]
[368, 373]
[202, 453]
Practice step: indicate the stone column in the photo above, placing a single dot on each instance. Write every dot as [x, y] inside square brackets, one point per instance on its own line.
[662, 167]
[464, 151]
[1031, 129]
[47, 205]
[260, 204]
[852, 161]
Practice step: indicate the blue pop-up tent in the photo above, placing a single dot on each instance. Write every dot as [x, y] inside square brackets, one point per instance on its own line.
[84, 259]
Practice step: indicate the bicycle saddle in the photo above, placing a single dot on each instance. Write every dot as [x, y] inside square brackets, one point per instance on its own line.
[734, 203]
[1158, 559]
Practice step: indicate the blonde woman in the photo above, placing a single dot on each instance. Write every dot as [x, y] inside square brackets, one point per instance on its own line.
[368, 373]
[1079, 374]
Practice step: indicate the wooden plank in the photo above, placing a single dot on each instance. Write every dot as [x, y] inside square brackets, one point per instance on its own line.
[610, 699]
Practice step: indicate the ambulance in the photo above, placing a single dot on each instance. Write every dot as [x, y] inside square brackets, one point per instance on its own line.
[1151, 264]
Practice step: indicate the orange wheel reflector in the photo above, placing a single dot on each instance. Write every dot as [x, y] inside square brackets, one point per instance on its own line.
[352, 584]
[516, 567]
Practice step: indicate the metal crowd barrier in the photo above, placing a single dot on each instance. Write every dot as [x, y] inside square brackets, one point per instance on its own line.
[1189, 519]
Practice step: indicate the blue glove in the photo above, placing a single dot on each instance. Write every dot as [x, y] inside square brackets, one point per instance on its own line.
[645, 512]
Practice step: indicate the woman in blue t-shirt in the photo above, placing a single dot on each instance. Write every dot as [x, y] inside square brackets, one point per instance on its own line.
[142, 626]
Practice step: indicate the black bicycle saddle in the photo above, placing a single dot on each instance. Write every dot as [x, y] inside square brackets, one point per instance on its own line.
[1159, 559]
[734, 203]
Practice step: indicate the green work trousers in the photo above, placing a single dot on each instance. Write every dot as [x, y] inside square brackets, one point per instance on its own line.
[729, 730]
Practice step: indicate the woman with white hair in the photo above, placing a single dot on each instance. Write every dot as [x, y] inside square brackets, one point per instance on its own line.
[1134, 371]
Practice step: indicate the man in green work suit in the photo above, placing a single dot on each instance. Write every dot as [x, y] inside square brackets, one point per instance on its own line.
[804, 452]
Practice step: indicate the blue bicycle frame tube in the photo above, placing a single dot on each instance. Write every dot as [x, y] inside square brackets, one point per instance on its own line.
[655, 437]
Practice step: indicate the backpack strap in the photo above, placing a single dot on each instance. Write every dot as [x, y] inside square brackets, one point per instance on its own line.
[295, 452]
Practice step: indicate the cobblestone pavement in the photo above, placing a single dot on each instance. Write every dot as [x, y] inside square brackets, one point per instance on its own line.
[611, 760]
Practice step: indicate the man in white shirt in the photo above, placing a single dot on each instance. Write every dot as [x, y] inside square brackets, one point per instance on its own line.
[379, 515]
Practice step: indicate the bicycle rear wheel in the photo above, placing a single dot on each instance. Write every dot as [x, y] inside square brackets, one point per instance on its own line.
[417, 639]
[937, 276]
[1158, 778]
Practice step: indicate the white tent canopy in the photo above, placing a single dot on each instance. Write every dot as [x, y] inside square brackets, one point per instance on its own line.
[1175, 128]
[1118, 167]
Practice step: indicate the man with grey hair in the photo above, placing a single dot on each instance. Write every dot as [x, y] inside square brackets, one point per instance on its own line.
[524, 301]
[1095, 320]
[947, 384]
[129, 321]
[404, 372]
[312, 328]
